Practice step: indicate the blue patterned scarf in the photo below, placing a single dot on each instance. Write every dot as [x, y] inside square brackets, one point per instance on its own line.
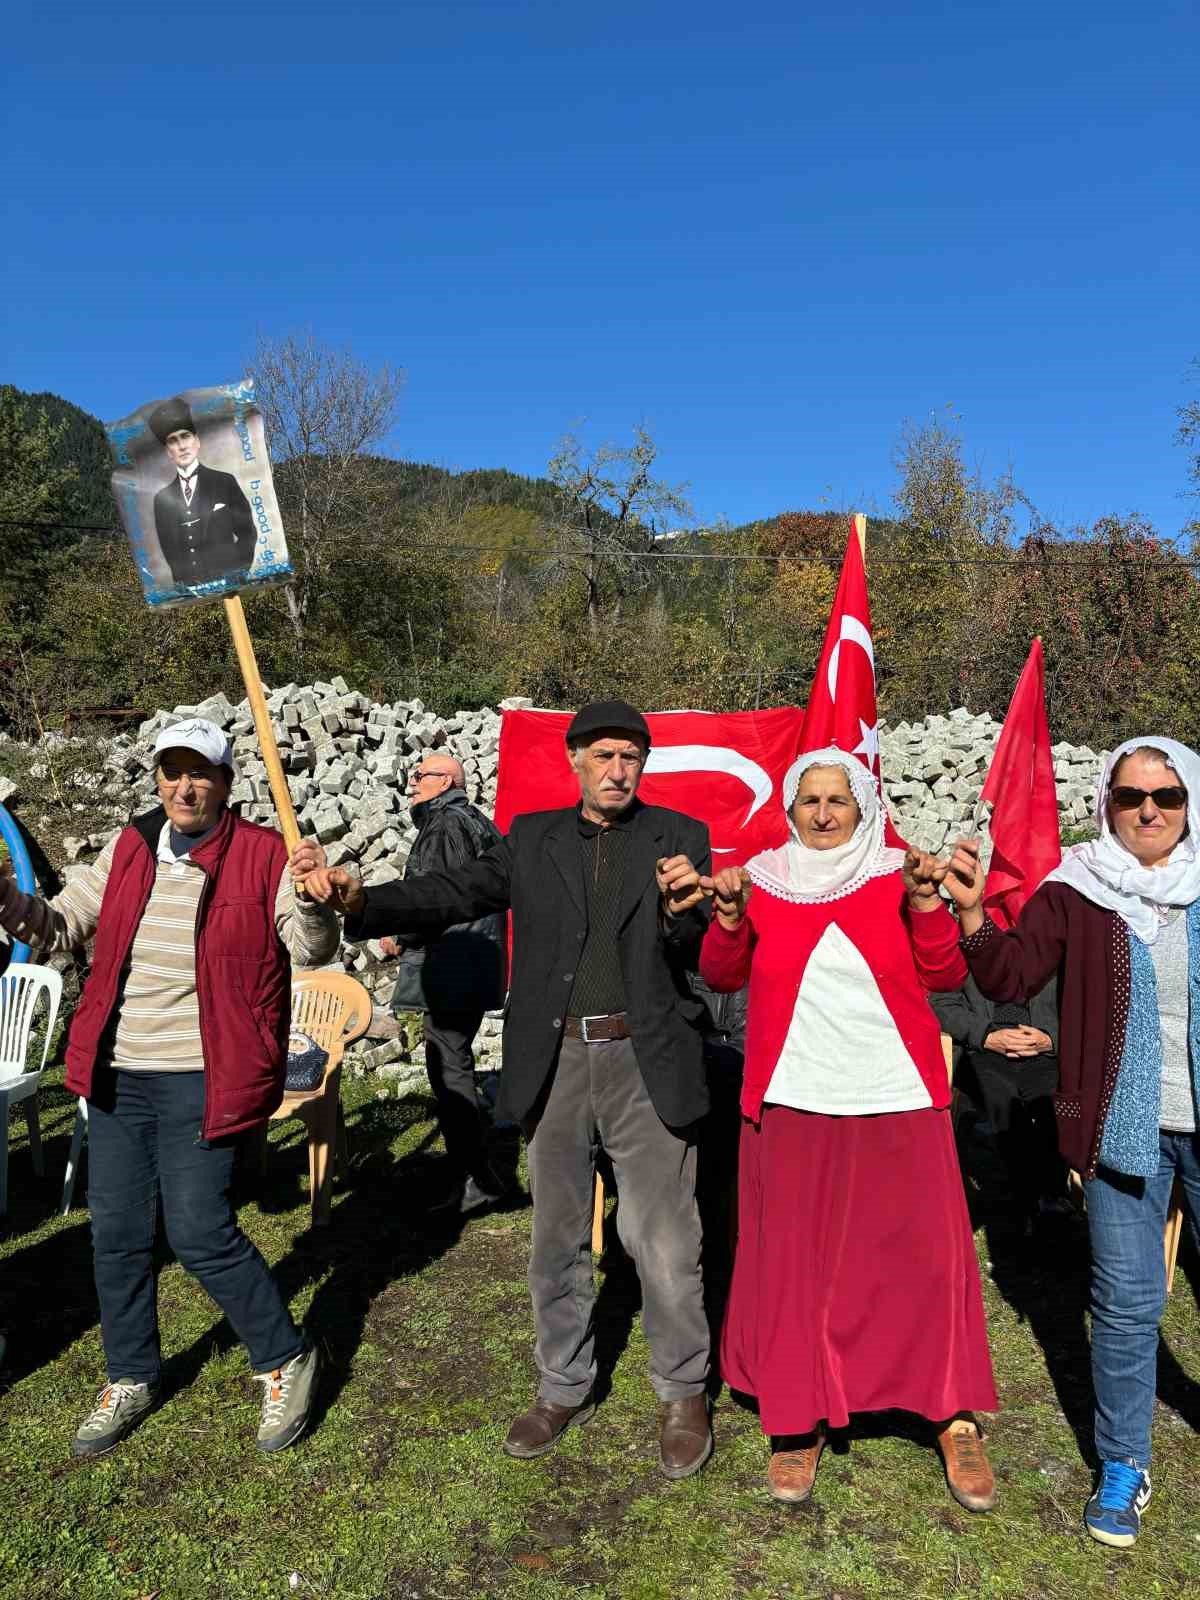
[1130, 1143]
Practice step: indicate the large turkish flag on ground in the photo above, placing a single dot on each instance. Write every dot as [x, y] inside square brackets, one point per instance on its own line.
[841, 703]
[1020, 787]
[725, 768]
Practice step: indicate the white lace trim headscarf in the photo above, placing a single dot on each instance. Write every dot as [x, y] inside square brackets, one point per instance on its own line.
[1106, 873]
[805, 876]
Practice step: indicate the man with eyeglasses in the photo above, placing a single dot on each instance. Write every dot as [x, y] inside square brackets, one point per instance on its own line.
[453, 977]
[602, 1051]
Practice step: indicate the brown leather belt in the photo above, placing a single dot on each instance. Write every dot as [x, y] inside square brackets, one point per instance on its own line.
[597, 1030]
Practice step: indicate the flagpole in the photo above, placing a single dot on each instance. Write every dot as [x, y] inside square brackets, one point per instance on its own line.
[860, 528]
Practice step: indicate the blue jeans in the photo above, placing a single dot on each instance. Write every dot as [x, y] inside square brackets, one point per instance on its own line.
[144, 1148]
[1126, 1217]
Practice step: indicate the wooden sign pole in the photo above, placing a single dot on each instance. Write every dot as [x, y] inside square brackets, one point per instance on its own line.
[280, 793]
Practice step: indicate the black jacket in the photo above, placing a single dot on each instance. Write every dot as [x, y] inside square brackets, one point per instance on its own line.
[538, 872]
[968, 1017]
[212, 538]
[461, 969]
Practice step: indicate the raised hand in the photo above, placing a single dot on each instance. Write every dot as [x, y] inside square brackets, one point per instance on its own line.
[308, 856]
[679, 884]
[731, 889]
[922, 875]
[336, 887]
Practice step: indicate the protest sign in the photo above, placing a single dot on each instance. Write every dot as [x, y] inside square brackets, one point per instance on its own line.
[192, 481]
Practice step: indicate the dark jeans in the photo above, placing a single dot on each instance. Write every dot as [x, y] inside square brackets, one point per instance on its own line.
[450, 1064]
[144, 1149]
[1126, 1217]
[598, 1100]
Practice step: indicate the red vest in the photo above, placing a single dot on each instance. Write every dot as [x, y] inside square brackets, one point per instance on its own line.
[243, 970]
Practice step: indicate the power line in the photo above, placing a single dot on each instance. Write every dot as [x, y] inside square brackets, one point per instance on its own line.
[1028, 561]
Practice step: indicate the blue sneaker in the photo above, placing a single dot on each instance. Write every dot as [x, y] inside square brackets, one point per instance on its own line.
[1114, 1513]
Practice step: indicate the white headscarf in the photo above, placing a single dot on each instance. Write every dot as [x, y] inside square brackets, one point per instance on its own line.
[805, 876]
[1109, 875]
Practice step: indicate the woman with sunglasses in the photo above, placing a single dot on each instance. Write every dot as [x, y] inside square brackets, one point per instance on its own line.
[1119, 921]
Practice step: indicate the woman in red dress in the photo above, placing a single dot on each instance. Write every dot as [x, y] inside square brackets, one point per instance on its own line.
[855, 1284]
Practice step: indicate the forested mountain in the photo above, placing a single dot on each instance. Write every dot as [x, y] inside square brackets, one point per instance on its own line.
[465, 587]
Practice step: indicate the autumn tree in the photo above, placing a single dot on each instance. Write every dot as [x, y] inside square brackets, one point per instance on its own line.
[326, 412]
[611, 509]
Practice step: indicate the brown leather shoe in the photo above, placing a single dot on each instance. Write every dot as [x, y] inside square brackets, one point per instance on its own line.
[537, 1430]
[968, 1471]
[686, 1440]
[792, 1473]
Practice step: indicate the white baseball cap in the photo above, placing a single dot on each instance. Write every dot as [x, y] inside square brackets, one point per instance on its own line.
[200, 735]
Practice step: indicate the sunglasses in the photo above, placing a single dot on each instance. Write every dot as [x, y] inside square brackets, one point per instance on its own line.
[1126, 798]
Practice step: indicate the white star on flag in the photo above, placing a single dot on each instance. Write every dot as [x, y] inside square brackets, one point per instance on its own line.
[868, 745]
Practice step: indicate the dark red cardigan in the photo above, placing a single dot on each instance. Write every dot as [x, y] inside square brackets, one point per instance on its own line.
[1060, 933]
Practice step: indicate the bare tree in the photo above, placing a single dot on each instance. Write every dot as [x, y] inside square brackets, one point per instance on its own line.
[610, 513]
[325, 412]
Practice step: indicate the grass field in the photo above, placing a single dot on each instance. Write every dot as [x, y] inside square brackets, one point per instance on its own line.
[402, 1491]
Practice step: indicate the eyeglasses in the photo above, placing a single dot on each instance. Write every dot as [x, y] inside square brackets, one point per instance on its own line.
[418, 776]
[1126, 798]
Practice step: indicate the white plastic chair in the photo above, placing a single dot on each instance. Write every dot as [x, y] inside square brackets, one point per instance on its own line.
[21, 988]
[77, 1137]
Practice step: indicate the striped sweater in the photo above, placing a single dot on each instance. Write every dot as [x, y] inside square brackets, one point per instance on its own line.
[158, 1017]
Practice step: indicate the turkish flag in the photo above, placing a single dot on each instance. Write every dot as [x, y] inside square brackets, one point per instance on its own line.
[726, 769]
[841, 704]
[1020, 787]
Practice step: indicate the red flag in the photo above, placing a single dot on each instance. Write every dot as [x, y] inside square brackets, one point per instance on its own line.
[724, 768]
[1020, 787]
[841, 704]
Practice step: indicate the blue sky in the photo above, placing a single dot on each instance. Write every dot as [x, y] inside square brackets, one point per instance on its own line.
[772, 232]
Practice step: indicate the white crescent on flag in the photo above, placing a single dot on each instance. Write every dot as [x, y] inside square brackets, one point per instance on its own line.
[713, 758]
[857, 633]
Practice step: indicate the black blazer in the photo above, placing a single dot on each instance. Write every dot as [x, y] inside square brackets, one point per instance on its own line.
[212, 538]
[538, 872]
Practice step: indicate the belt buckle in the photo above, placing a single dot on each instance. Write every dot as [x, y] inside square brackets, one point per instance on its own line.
[583, 1029]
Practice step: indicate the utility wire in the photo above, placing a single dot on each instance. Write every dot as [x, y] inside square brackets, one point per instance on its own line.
[1030, 560]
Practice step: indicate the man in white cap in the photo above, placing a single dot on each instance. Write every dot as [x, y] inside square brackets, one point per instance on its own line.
[179, 1045]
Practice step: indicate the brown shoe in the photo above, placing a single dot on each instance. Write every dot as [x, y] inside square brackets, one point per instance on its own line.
[537, 1430]
[686, 1440]
[792, 1473]
[968, 1471]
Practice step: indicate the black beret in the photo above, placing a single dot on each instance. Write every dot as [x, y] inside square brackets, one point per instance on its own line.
[608, 716]
[168, 418]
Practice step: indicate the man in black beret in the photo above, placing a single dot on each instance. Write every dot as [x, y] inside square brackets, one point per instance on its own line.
[602, 1051]
[202, 518]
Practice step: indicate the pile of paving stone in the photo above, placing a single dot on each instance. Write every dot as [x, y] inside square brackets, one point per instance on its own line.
[346, 759]
[934, 770]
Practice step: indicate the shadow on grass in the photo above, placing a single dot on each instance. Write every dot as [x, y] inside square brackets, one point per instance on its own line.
[1046, 1280]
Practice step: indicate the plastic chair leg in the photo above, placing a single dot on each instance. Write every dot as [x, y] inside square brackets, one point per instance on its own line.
[68, 1193]
[343, 1145]
[322, 1137]
[33, 1122]
[3, 1155]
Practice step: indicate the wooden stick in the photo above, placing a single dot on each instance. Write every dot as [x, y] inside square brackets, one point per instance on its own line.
[1173, 1231]
[280, 793]
[860, 528]
[598, 1218]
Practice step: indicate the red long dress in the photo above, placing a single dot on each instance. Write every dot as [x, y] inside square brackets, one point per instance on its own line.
[855, 1283]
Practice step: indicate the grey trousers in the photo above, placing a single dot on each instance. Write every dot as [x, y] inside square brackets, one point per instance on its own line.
[598, 1101]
